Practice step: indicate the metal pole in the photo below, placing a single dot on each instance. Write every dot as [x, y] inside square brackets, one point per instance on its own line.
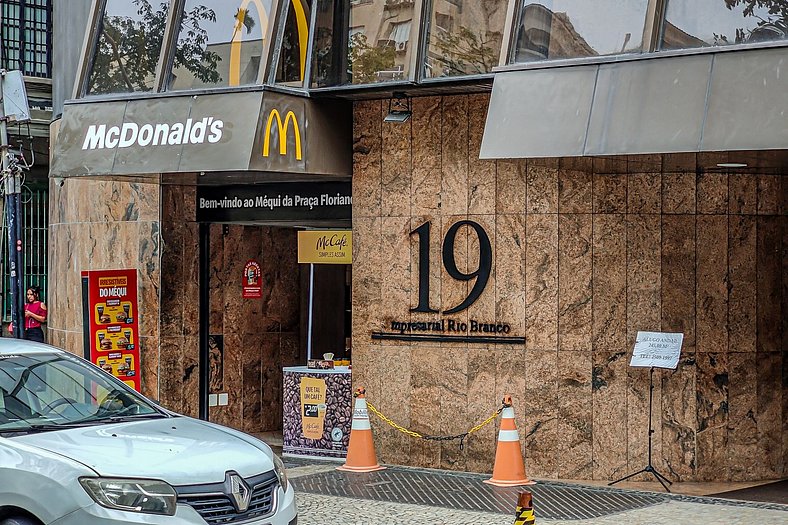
[11, 190]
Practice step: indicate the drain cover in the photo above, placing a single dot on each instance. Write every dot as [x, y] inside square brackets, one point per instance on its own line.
[467, 492]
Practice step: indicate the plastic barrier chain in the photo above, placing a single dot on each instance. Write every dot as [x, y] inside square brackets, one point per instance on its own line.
[461, 437]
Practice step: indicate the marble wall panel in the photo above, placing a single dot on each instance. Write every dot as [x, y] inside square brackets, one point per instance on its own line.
[396, 167]
[742, 194]
[712, 283]
[712, 193]
[366, 289]
[678, 277]
[541, 282]
[191, 376]
[171, 373]
[149, 366]
[483, 309]
[367, 158]
[252, 380]
[540, 433]
[680, 419]
[510, 186]
[454, 161]
[712, 425]
[453, 395]
[280, 276]
[644, 192]
[394, 387]
[424, 399]
[647, 163]
[611, 164]
[610, 193]
[609, 398]
[511, 378]
[425, 196]
[742, 417]
[743, 283]
[769, 413]
[768, 194]
[769, 272]
[678, 192]
[218, 282]
[172, 299]
[575, 415]
[610, 282]
[510, 269]
[644, 284]
[679, 162]
[637, 400]
[482, 401]
[191, 283]
[481, 173]
[149, 277]
[395, 274]
[575, 191]
[575, 282]
[541, 188]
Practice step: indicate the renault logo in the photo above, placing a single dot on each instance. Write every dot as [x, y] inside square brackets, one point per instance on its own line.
[239, 492]
[282, 127]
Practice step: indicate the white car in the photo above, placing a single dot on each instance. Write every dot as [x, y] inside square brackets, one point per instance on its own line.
[79, 447]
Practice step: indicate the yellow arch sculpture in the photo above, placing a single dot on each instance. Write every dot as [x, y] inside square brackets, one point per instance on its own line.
[282, 128]
[235, 46]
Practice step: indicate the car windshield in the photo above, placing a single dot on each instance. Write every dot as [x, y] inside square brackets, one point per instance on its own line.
[50, 391]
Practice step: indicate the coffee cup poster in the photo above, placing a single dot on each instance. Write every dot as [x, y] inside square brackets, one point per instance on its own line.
[113, 328]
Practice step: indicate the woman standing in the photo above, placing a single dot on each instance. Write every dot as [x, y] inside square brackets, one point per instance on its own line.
[35, 315]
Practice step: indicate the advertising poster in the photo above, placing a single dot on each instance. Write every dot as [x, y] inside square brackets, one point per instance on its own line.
[325, 247]
[113, 327]
[252, 288]
[317, 412]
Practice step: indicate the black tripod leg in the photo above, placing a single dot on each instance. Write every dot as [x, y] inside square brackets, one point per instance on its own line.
[627, 477]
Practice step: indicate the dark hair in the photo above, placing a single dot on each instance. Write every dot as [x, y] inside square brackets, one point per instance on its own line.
[36, 290]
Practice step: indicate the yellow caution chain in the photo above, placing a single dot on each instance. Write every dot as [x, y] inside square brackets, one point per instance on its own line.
[411, 433]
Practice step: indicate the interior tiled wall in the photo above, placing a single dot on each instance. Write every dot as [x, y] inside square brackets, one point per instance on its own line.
[260, 335]
[586, 252]
[100, 225]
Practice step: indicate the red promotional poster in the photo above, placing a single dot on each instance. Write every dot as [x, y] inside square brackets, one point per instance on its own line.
[114, 332]
[252, 288]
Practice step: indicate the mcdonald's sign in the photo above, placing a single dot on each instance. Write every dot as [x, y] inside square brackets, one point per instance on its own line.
[282, 129]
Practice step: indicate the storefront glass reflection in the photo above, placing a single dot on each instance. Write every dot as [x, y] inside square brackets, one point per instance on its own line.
[465, 37]
[701, 23]
[128, 47]
[291, 65]
[363, 41]
[220, 43]
[556, 29]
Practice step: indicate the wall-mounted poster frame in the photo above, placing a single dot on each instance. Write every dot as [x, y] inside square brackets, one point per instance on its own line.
[110, 323]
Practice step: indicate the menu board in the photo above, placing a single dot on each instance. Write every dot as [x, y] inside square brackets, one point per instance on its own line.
[113, 327]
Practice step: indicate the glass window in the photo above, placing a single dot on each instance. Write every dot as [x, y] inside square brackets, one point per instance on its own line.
[465, 37]
[700, 23]
[220, 43]
[363, 41]
[291, 66]
[555, 29]
[130, 36]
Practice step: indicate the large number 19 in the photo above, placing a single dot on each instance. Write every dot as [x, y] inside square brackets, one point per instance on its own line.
[482, 273]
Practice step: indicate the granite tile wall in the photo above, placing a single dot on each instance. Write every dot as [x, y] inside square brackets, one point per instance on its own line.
[586, 252]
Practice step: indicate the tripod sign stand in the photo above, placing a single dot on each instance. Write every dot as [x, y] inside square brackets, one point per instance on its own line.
[649, 467]
[660, 350]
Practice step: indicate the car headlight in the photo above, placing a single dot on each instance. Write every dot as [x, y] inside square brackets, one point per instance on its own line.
[133, 495]
[279, 468]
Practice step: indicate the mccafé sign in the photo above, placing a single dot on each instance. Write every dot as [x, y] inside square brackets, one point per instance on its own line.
[250, 131]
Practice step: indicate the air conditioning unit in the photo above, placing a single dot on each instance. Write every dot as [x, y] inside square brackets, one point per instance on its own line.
[402, 46]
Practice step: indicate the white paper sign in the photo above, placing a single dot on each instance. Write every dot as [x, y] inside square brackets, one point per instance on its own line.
[657, 349]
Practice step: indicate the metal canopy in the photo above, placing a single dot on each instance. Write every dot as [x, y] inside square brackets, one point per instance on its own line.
[240, 131]
[735, 100]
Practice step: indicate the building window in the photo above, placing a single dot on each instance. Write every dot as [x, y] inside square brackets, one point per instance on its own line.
[220, 43]
[128, 47]
[560, 29]
[363, 42]
[701, 23]
[26, 33]
[464, 38]
[294, 43]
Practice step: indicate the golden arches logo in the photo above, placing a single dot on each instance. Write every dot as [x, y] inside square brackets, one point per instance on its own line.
[282, 127]
[235, 45]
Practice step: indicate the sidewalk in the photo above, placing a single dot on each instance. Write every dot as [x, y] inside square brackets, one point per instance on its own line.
[404, 495]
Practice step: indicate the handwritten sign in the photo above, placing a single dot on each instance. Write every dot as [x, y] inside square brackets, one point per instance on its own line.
[657, 349]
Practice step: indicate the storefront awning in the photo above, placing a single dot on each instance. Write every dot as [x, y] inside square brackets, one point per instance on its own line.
[735, 100]
[244, 131]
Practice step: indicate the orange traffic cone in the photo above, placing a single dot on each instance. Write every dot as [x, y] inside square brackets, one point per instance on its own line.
[509, 469]
[361, 449]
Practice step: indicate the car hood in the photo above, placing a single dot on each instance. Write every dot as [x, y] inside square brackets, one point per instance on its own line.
[180, 450]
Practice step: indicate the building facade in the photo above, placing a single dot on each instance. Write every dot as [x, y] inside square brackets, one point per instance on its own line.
[622, 169]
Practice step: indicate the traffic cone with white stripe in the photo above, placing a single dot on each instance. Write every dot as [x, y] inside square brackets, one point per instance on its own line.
[509, 469]
[361, 449]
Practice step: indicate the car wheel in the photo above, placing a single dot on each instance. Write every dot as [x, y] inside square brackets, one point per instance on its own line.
[19, 521]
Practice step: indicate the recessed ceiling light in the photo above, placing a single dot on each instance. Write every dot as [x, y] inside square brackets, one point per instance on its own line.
[731, 165]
